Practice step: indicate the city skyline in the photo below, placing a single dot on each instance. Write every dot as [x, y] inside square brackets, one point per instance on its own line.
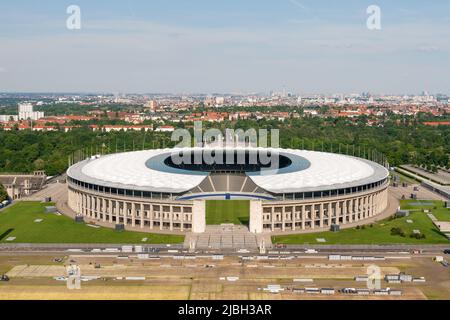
[254, 47]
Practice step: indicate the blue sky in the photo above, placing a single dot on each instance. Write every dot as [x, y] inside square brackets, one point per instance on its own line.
[225, 46]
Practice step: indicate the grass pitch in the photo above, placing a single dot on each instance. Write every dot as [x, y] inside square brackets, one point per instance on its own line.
[380, 232]
[437, 208]
[227, 211]
[19, 221]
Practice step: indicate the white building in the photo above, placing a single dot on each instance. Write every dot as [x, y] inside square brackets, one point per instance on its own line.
[26, 112]
[8, 117]
[151, 105]
[165, 129]
[220, 101]
[25, 107]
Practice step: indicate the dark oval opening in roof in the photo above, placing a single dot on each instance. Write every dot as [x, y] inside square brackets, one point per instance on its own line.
[227, 161]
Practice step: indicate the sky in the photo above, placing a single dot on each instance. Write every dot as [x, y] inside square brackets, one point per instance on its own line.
[225, 46]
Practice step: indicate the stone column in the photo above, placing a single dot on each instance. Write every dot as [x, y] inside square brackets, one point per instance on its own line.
[350, 215]
[133, 214]
[294, 217]
[94, 202]
[182, 219]
[151, 216]
[256, 216]
[171, 218]
[92, 206]
[272, 219]
[78, 203]
[199, 216]
[104, 209]
[365, 206]
[97, 207]
[110, 210]
[360, 208]
[117, 208]
[84, 210]
[375, 204]
[372, 212]
[89, 206]
[321, 214]
[344, 212]
[303, 217]
[81, 204]
[330, 212]
[142, 211]
[125, 212]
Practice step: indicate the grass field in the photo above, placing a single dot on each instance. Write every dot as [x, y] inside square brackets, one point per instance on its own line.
[437, 209]
[227, 211]
[19, 221]
[380, 232]
[404, 178]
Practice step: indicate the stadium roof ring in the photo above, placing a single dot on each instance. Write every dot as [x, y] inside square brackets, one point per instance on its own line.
[270, 176]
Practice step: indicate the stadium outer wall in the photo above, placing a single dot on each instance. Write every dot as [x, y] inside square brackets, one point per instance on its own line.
[265, 216]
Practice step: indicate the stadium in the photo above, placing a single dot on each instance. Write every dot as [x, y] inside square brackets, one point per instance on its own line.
[155, 190]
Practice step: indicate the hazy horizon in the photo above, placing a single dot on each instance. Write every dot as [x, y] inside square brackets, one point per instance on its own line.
[213, 93]
[302, 46]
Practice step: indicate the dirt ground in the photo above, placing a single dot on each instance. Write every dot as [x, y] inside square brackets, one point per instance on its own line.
[204, 278]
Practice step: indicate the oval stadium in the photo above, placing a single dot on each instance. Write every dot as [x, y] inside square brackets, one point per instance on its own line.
[287, 190]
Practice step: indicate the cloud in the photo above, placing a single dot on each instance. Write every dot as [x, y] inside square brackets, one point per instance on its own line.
[298, 4]
[428, 48]
[144, 56]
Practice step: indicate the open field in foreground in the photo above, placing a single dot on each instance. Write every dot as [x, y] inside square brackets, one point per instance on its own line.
[380, 232]
[22, 221]
[204, 278]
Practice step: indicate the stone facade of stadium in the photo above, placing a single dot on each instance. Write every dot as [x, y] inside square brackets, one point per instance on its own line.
[310, 215]
[189, 215]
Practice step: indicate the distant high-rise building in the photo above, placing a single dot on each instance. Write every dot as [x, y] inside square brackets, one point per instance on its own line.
[220, 101]
[25, 107]
[151, 105]
[26, 112]
[8, 117]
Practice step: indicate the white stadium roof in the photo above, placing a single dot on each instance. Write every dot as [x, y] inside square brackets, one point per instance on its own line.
[131, 170]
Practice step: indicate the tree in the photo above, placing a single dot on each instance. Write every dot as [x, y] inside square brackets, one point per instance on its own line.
[397, 232]
[39, 164]
[3, 193]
